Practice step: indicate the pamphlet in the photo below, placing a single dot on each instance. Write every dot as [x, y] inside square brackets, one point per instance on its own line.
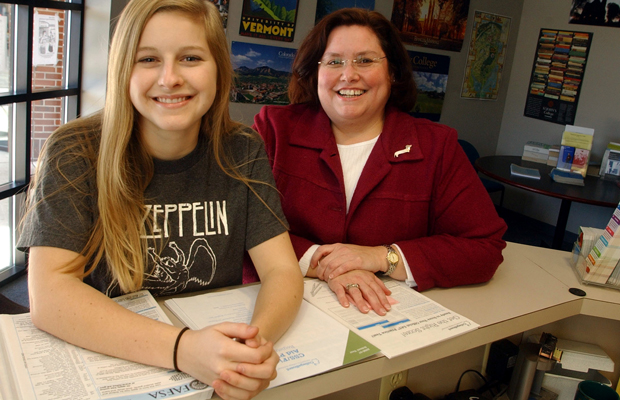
[524, 172]
[414, 322]
[575, 150]
[313, 344]
[43, 367]
[610, 165]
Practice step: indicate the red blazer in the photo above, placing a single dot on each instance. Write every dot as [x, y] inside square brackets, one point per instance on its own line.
[430, 201]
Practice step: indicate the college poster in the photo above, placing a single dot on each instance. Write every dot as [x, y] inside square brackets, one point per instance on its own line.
[487, 53]
[262, 73]
[557, 74]
[269, 19]
[431, 23]
[430, 72]
[324, 7]
[595, 12]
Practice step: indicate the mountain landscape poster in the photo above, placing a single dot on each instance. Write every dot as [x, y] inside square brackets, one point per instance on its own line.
[262, 73]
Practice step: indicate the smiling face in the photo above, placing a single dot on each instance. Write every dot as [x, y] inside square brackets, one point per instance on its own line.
[173, 83]
[354, 98]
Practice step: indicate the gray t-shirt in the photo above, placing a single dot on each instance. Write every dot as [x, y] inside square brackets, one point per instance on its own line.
[204, 220]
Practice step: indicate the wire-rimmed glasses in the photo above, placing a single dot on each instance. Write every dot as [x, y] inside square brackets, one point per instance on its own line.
[357, 62]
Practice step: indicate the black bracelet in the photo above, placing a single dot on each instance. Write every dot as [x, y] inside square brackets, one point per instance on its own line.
[176, 347]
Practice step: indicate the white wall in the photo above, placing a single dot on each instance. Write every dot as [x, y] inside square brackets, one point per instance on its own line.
[95, 54]
[597, 108]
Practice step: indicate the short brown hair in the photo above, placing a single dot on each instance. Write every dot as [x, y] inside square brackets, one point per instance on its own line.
[304, 81]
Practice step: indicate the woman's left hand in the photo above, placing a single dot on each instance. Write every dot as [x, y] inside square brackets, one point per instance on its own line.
[332, 260]
[363, 289]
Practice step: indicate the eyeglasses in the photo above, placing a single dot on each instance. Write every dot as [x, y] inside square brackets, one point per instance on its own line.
[357, 62]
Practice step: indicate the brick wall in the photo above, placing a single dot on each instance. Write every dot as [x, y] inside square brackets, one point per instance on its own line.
[47, 114]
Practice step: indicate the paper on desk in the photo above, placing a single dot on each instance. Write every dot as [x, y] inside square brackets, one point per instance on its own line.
[313, 344]
[415, 321]
[44, 367]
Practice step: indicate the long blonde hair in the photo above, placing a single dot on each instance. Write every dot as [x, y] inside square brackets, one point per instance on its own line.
[123, 166]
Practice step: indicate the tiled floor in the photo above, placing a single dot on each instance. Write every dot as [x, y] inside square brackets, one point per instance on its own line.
[520, 230]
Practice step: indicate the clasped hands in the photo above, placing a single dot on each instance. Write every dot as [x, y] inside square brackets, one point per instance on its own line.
[236, 369]
[345, 264]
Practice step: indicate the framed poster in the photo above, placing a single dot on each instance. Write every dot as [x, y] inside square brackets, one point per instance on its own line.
[262, 73]
[557, 73]
[269, 19]
[485, 59]
[430, 72]
[431, 23]
[595, 12]
[324, 7]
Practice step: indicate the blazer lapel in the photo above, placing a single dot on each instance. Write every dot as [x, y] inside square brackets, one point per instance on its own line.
[398, 143]
[314, 131]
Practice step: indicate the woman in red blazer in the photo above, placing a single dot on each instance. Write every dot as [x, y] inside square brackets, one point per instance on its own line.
[367, 188]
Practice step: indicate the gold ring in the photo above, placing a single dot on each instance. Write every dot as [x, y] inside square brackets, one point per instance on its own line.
[352, 285]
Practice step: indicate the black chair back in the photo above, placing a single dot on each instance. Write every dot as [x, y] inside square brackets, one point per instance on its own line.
[8, 306]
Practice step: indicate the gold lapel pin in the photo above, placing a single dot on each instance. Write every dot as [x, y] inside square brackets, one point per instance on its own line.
[407, 149]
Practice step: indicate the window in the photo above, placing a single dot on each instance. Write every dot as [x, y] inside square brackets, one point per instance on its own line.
[40, 74]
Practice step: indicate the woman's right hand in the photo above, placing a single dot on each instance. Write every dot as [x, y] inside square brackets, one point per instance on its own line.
[236, 370]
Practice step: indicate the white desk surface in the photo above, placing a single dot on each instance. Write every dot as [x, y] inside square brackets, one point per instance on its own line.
[529, 289]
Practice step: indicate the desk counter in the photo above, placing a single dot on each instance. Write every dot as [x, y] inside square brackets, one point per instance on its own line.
[529, 290]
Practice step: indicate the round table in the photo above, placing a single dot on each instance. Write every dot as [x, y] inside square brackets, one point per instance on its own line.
[596, 191]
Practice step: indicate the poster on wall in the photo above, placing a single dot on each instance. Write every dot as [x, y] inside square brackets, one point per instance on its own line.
[595, 12]
[430, 72]
[222, 6]
[324, 7]
[262, 73]
[559, 67]
[438, 24]
[269, 19]
[45, 51]
[486, 56]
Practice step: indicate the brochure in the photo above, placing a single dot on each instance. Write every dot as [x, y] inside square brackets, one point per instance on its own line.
[313, 344]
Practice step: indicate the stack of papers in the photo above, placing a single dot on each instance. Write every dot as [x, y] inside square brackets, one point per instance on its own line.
[536, 152]
[43, 367]
[580, 356]
[571, 178]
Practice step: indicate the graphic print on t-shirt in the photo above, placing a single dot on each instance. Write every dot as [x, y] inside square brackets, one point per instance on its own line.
[173, 274]
[179, 253]
[184, 227]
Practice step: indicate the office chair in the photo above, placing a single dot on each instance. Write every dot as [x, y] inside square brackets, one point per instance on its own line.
[8, 306]
[489, 185]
